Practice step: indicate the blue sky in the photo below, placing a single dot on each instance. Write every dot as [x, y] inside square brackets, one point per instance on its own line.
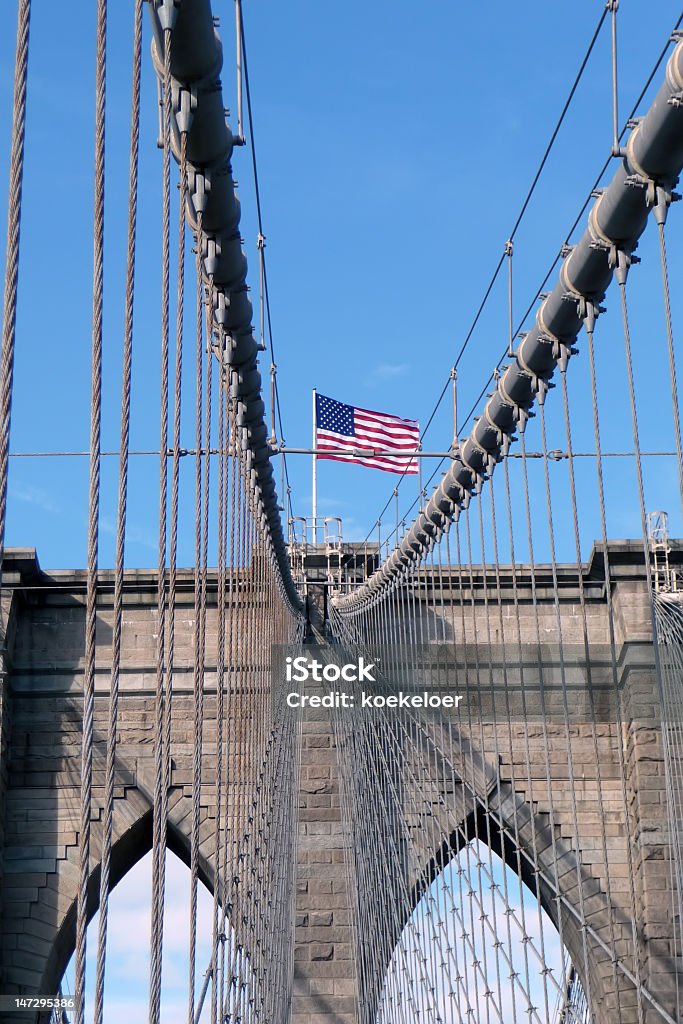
[395, 147]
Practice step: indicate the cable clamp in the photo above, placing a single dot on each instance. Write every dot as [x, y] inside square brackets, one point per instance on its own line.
[221, 307]
[641, 180]
[166, 11]
[212, 254]
[585, 308]
[184, 105]
[200, 190]
[609, 247]
[522, 417]
[505, 446]
[562, 353]
[541, 387]
[624, 261]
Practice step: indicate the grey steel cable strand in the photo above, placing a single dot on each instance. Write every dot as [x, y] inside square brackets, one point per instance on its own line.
[206, 503]
[159, 825]
[173, 525]
[199, 597]
[219, 869]
[93, 516]
[9, 308]
[108, 812]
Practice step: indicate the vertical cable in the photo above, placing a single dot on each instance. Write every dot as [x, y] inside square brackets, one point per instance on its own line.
[9, 315]
[613, 7]
[199, 585]
[219, 868]
[93, 515]
[509, 249]
[110, 770]
[158, 825]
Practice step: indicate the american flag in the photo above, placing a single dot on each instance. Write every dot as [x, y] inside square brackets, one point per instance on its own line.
[347, 432]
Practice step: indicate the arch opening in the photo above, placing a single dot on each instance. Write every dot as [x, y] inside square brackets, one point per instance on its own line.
[127, 974]
[480, 947]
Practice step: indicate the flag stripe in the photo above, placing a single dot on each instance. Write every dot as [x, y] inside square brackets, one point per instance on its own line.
[352, 449]
[368, 441]
[409, 470]
[392, 427]
[384, 417]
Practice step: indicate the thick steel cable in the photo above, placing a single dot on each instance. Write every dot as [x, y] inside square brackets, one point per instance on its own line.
[201, 657]
[110, 769]
[9, 308]
[198, 673]
[164, 721]
[159, 825]
[93, 515]
[220, 869]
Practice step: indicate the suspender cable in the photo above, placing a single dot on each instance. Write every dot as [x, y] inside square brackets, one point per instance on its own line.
[9, 308]
[159, 825]
[93, 514]
[110, 771]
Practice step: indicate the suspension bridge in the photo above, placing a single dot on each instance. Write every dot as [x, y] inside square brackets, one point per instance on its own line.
[486, 823]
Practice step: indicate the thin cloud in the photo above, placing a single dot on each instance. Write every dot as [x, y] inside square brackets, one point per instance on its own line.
[134, 534]
[386, 371]
[33, 495]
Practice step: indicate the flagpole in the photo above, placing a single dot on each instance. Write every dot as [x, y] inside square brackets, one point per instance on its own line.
[315, 475]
